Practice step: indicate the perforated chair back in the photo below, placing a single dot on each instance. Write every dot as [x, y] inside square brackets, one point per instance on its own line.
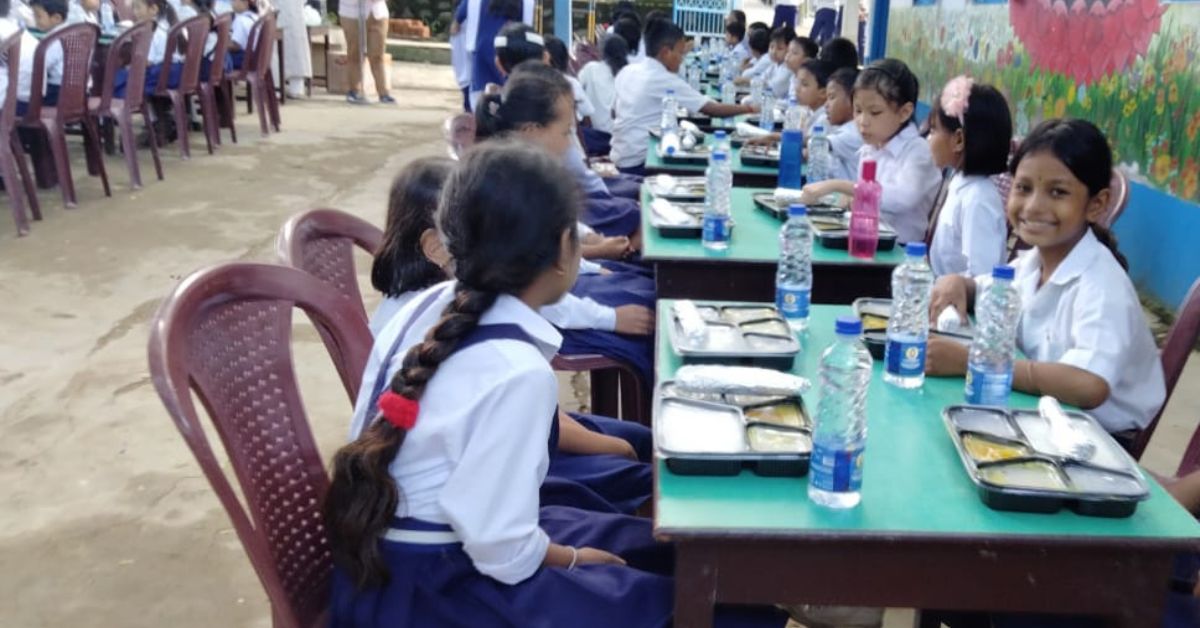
[78, 43]
[224, 335]
[129, 50]
[1118, 191]
[321, 242]
[193, 33]
[223, 25]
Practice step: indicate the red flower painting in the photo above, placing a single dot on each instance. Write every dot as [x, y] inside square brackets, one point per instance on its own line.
[1085, 39]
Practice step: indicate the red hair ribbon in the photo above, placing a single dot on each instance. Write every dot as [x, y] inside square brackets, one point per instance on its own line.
[399, 410]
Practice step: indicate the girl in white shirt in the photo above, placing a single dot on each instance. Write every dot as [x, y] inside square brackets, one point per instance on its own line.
[599, 80]
[1082, 326]
[885, 99]
[970, 130]
[433, 510]
[844, 140]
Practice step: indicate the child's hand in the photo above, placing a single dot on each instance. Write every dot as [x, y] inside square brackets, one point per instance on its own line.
[762, 140]
[593, 556]
[945, 357]
[635, 320]
[814, 192]
[620, 447]
[614, 248]
[950, 290]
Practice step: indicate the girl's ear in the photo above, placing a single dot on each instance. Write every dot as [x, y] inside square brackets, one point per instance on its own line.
[1097, 206]
[568, 253]
[906, 111]
[958, 141]
[434, 250]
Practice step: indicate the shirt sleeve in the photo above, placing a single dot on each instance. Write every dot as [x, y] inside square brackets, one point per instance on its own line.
[687, 96]
[574, 312]
[588, 267]
[984, 235]
[1103, 325]
[909, 192]
[491, 498]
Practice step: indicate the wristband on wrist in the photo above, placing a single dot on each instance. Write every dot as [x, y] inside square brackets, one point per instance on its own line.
[574, 558]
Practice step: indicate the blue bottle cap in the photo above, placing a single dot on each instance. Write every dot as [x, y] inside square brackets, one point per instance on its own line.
[1003, 272]
[720, 135]
[818, 129]
[670, 92]
[848, 326]
[797, 209]
[915, 249]
[719, 156]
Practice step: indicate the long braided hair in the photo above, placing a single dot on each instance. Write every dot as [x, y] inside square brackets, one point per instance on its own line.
[503, 213]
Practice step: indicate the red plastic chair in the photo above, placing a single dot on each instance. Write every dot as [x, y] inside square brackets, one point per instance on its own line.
[1118, 190]
[256, 73]
[214, 104]
[459, 131]
[14, 170]
[124, 10]
[129, 51]
[78, 43]
[321, 241]
[224, 334]
[193, 33]
[1181, 339]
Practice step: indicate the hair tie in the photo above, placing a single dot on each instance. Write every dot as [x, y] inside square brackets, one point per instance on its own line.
[399, 410]
[500, 42]
[955, 96]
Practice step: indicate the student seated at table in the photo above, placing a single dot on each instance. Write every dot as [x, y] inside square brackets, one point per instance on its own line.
[50, 16]
[245, 14]
[640, 91]
[598, 79]
[83, 12]
[735, 39]
[1082, 326]
[885, 100]
[840, 52]
[970, 132]
[844, 139]
[8, 27]
[536, 106]
[811, 81]
[595, 142]
[759, 62]
[776, 77]
[799, 50]
[191, 8]
[601, 463]
[433, 509]
[164, 18]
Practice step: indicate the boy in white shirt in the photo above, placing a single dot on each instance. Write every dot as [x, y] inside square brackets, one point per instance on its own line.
[759, 62]
[641, 88]
[9, 26]
[49, 15]
[735, 38]
[779, 81]
[844, 139]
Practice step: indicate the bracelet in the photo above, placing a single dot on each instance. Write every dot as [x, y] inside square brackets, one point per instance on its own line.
[574, 558]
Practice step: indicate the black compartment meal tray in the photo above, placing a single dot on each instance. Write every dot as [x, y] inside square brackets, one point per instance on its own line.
[766, 202]
[768, 158]
[741, 351]
[1004, 427]
[682, 189]
[876, 339]
[771, 464]
[691, 231]
[685, 157]
[839, 238]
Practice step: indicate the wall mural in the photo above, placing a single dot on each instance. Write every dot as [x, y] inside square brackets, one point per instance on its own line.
[1128, 65]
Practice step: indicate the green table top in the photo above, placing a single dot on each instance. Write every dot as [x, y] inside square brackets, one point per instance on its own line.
[913, 481]
[755, 239]
[654, 162]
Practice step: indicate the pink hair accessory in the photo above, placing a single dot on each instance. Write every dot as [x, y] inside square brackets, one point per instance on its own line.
[955, 97]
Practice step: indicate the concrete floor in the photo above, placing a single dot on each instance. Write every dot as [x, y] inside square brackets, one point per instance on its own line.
[106, 520]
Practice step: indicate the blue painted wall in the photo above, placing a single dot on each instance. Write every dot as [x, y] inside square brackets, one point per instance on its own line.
[1158, 234]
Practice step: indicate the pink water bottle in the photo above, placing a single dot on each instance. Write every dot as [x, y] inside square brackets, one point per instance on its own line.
[864, 214]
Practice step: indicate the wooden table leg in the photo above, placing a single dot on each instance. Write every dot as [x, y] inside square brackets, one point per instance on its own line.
[695, 587]
[1144, 605]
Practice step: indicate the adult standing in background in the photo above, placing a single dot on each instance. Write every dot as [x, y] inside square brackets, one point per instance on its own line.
[375, 13]
[825, 14]
[785, 13]
[297, 59]
[482, 21]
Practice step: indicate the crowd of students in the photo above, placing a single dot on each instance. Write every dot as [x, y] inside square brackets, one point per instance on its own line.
[466, 498]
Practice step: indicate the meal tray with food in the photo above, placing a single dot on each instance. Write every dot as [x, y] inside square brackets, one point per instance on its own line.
[747, 334]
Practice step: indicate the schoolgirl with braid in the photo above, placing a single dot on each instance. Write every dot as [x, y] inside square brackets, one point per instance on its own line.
[432, 513]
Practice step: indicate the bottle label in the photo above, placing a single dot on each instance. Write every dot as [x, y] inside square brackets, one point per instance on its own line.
[836, 470]
[716, 229]
[792, 302]
[988, 388]
[906, 359]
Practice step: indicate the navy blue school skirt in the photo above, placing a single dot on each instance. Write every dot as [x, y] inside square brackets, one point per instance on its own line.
[437, 585]
[625, 186]
[121, 78]
[595, 141]
[612, 215]
[614, 290]
[602, 482]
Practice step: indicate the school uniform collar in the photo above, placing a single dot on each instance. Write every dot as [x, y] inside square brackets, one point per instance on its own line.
[656, 65]
[895, 145]
[1081, 257]
[513, 311]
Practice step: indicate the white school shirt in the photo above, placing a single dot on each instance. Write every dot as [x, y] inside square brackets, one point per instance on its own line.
[29, 43]
[760, 66]
[845, 141]
[460, 59]
[221, 7]
[1088, 315]
[817, 5]
[600, 86]
[583, 105]
[640, 90]
[571, 312]
[77, 15]
[477, 456]
[158, 44]
[741, 51]
[239, 33]
[780, 80]
[971, 236]
[819, 118]
[909, 180]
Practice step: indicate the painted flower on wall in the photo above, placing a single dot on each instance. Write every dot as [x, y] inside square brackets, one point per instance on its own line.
[1085, 39]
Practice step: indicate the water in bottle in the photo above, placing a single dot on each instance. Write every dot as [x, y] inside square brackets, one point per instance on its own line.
[716, 201]
[728, 92]
[793, 116]
[864, 214]
[791, 161]
[908, 327]
[793, 279]
[766, 116]
[840, 434]
[990, 361]
[756, 89]
[820, 156]
[669, 121]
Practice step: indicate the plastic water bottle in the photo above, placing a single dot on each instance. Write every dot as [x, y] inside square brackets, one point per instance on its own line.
[990, 361]
[721, 142]
[793, 279]
[669, 122]
[766, 116]
[107, 22]
[793, 116]
[820, 155]
[864, 214]
[791, 159]
[840, 434]
[716, 201]
[908, 327]
[756, 89]
[728, 92]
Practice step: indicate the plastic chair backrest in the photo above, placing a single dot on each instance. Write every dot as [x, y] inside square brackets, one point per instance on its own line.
[223, 24]
[249, 54]
[194, 32]
[224, 334]
[1118, 190]
[124, 10]
[78, 43]
[10, 54]
[129, 50]
[459, 131]
[264, 45]
[1181, 339]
